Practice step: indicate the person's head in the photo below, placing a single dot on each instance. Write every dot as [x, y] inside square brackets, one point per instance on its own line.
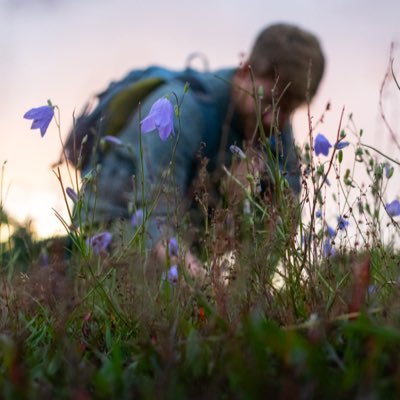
[287, 59]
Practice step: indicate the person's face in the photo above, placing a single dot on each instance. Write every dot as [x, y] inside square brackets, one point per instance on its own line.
[246, 106]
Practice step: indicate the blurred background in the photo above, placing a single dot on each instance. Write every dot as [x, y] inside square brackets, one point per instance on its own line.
[67, 50]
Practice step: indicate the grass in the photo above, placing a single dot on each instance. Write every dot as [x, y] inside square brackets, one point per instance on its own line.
[75, 324]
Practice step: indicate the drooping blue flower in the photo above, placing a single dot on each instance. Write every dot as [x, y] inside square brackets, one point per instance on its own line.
[388, 170]
[318, 213]
[330, 231]
[327, 181]
[173, 247]
[342, 223]
[72, 195]
[307, 170]
[372, 289]
[238, 151]
[161, 118]
[321, 145]
[341, 145]
[137, 218]
[41, 117]
[328, 249]
[393, 208]
[172, 274]
[44, 259]
[99, 242]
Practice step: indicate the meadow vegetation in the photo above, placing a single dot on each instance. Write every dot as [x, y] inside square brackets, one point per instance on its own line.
[300, 299]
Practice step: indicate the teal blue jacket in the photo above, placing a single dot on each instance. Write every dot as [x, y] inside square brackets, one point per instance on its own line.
[205, 127]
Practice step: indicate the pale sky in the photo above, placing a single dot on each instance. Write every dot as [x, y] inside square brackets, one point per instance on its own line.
[67, 50]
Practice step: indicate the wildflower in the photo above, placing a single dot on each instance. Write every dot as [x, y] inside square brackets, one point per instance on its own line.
[328, 249]
[307, 170]
[318, 213]
[44, 259]
[372, 289]
[330, 231]
[341, 145]
[173, 247]
[161, 117]
[113, 140]
[173, 274]
[99, 242]
[388, 170]
[238, 151]
[327, 181]
[72, 194]
[393, 208]
[342, 223]
[41, 117]
[137, 218]
[321, 145]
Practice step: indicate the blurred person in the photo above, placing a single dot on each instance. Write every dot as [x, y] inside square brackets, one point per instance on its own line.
[282, 72]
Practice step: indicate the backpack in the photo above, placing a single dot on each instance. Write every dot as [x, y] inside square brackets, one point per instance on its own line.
[116, 105]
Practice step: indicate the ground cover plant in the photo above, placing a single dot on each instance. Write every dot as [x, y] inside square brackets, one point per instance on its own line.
[300, 299]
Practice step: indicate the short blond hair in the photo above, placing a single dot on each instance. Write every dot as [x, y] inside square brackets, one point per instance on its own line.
[291, 55]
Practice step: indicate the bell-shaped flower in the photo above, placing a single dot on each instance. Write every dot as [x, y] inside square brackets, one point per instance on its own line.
[41, 117]
[372, 290]
[173, 274]
[161, 118]
[341, 145]
[321, 145]
[72, 195]
[238, 151]
[173, 247]
[393, 208]
[388, 170]
[328, 249]
[342, 223]
[99, 242]
[137, 218]
[330, 232]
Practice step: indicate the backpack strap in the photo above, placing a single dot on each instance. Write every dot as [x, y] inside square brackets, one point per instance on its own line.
[122, 104]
